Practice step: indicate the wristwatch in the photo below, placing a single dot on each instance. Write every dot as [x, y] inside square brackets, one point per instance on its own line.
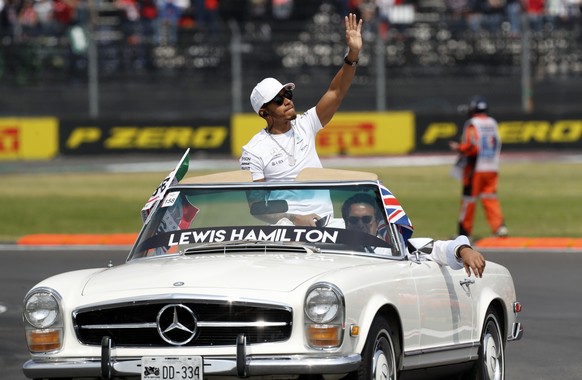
[348, 62]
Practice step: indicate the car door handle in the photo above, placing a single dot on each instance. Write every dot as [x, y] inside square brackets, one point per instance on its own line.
[467, 281]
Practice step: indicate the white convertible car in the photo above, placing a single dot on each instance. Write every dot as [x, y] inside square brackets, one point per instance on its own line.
[222, 284]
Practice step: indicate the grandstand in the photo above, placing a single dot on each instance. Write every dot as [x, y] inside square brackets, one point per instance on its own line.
[425, 56]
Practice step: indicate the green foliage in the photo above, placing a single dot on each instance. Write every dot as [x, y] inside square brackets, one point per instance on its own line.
[538, 199]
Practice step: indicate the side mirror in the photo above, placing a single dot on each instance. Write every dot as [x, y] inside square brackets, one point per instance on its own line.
[418, 246]
[421, 244]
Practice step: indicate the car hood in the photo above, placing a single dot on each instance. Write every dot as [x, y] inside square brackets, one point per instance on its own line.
[274, 272]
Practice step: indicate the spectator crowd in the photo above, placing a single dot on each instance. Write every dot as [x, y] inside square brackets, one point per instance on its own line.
[155, 21]
[159, 21]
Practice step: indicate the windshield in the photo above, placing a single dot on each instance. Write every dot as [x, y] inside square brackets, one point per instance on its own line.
[347, 218]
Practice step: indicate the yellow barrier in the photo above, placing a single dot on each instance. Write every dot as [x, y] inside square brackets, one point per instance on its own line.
[354, 133]
[28, 138]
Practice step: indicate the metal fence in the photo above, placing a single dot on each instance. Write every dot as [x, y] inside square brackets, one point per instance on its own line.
[428, 63]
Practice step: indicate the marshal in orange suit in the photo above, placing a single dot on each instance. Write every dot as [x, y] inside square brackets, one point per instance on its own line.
[479, 151]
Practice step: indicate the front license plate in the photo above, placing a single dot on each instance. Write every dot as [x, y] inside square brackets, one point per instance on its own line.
[178, 367]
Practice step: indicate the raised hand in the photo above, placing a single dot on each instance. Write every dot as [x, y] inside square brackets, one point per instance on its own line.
[353, 33]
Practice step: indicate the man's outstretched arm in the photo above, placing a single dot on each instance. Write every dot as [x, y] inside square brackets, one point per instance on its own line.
[340, 84]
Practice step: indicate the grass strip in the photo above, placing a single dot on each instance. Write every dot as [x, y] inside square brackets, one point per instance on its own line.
[538, 200]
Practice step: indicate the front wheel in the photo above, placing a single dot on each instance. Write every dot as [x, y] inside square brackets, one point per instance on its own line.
[380, 352]
[490, 364]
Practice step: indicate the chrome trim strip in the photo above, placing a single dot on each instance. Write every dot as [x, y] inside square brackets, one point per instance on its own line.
[200, 323]
[242, 324]
[419, 359]
[121, 326]
[442, 348]
[177, 297]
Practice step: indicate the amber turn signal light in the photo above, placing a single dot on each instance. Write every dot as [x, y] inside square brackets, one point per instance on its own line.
[43, 340]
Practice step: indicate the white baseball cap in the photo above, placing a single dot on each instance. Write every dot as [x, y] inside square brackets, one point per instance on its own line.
[266, 90]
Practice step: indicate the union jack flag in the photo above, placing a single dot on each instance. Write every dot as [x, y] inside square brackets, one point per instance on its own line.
[395, 213]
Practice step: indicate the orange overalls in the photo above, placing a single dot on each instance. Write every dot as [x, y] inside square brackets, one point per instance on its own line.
[481, 145]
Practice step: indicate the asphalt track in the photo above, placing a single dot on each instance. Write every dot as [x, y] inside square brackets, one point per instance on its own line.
[547, 283]
[165, 163]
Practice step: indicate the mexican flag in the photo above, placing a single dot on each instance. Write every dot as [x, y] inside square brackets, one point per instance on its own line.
[173, 178]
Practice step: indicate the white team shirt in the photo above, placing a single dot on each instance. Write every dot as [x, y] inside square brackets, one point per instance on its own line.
[265, 159]
[271, 161]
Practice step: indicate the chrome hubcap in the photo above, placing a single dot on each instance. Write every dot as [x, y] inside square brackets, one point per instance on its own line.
[383, 365]
[492, 354]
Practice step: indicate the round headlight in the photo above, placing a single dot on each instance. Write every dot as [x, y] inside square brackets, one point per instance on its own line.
[41, 310]
[322, 305]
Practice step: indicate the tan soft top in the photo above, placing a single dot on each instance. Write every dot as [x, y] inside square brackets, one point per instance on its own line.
[316, 174]
[306, 175]
[224, 177]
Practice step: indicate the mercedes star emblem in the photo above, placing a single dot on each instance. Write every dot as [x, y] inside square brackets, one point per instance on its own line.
[177, 324]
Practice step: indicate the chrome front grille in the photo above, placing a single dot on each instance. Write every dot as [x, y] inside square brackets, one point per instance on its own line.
[216, 323]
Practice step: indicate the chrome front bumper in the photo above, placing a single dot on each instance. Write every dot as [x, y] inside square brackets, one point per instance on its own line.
[264, 365]
[240, 365]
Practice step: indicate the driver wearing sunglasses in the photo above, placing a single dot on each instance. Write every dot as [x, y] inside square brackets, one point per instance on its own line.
[361, 213]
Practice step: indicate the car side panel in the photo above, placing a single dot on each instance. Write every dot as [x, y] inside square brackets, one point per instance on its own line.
[370, 288]
[445, 306]
[497, 285]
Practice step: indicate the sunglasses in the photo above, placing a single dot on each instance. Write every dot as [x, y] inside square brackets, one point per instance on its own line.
[366, 219]
[280, 99]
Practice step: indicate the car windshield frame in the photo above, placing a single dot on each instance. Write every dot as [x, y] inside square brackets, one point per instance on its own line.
[232, 215]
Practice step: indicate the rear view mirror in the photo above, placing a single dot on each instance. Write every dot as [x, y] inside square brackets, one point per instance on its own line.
[269, 207]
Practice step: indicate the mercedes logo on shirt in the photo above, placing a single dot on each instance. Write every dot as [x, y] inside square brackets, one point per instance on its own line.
[177, 324]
